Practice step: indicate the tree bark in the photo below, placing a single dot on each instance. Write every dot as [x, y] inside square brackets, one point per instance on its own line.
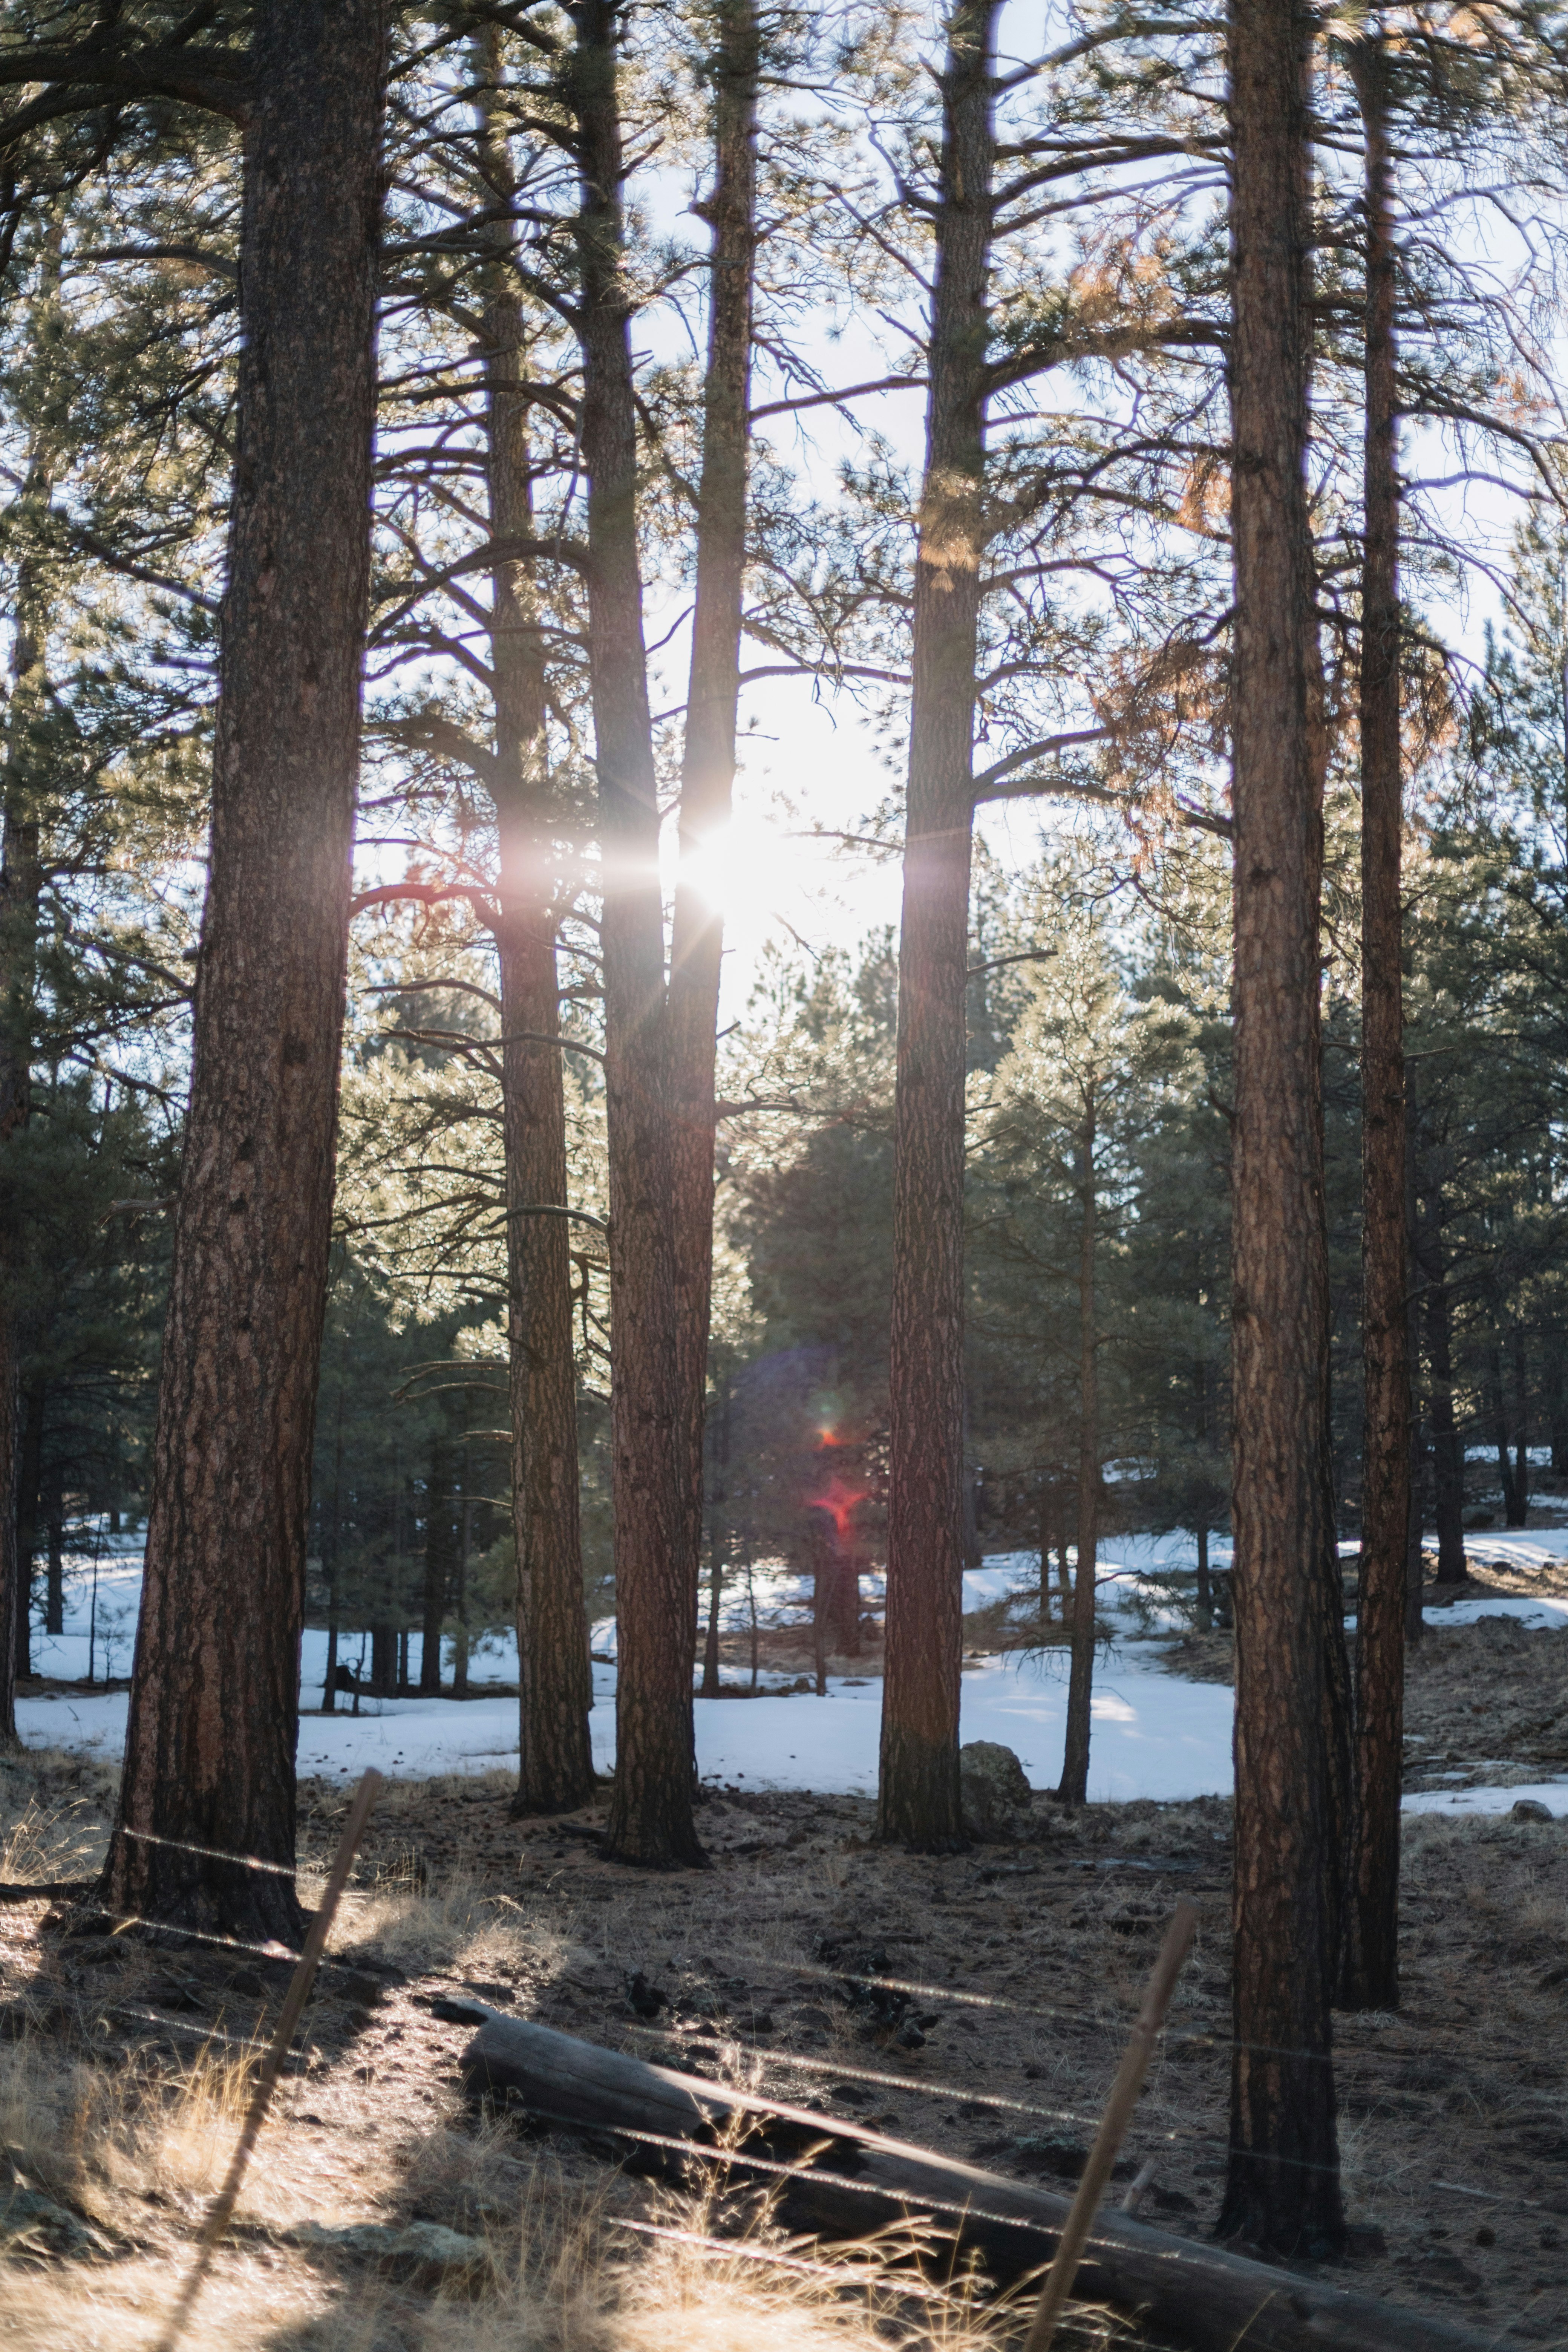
[210, 1757]
[708, 769]
[919, 1791]
[1370, 1975]
[21, 895]
[555, 1685]
[1282, 2191]
[651, 1820]
[711, 1677]
[1415, 1566]
[55, 1586]
[29, 1499]
[860, 2181]
[440, 1556]
[1074, 1788]
[1448, 1440]
[1502, 1439]
[384, 1660]
[1521, 1426]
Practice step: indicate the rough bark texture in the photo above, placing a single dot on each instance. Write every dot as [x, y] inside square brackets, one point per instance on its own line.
[21, 891]
[1282, 2186]
[440, 1561]
[1370, 1976]
[1415, 1566]
[1447, 1438]
[845, 2181]
[1074, 1788]
[29, 1483]
[651, 1819]
[210, 1757]
[555, 1679]
[919, 1796]
[708, 771]
[1521, 1426]
[711, 1676]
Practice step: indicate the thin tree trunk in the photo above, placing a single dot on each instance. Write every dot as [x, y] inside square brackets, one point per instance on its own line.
[55, 1585]
[711, 1677]
[1415, 1566]
[651, 1820]
[1074, 1788]
[1044, 1517]
[210, 1757]
[465, 1545]
[384, 1660]
[1447, 1442]
[21, 893]
[1282, 2191]
[1205, 1592]
[440, 1561]
[1502, 1439]
[1521, 1428]
[555, 1677]
[919, 1794]
[707, 769]
[29, 1499]
[1370, 1975]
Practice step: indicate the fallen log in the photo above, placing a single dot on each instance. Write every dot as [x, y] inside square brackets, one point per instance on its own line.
[839, 2180]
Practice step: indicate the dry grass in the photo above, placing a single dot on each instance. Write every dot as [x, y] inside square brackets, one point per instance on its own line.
[125, 2117]
[1032, 1956]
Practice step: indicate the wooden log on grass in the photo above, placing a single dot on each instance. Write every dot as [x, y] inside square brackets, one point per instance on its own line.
[839, 2180]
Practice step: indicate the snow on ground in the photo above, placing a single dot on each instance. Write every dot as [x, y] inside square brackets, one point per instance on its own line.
[1552, 1794]
[1547, 1613]
[1154, 1734]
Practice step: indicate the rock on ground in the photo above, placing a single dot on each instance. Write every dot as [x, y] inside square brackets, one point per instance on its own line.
[995, 1793]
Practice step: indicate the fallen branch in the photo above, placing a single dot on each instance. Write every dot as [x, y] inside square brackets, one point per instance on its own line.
[49, 1890]
[839, 2180]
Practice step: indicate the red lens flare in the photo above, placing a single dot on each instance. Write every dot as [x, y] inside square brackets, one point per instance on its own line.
[839, 1501]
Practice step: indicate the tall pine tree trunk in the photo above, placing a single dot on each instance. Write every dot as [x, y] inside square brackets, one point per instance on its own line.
[29, 1502]
[707, 769]
[440, 1561]
[1414, 1564]
[1369, 1978]
[712, 1679]
[1074, 1788]
[919, 1791]
[554, 1677]
[21, 895]
[651, 1819]
[1447, 1439]
[209, 1756]
[1519, 1354]
[1283, 2189]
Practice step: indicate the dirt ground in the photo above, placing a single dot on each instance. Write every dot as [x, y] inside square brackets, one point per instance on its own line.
[1485, 1705]
[121, 2063]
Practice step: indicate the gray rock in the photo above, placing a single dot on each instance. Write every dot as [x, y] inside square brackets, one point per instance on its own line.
[1530, 1809]
[31, 2223]
[995, 1792]
[421, 2253]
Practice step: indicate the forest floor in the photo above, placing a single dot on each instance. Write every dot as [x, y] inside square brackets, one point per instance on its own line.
[122, 2063]
[1486, 1699]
